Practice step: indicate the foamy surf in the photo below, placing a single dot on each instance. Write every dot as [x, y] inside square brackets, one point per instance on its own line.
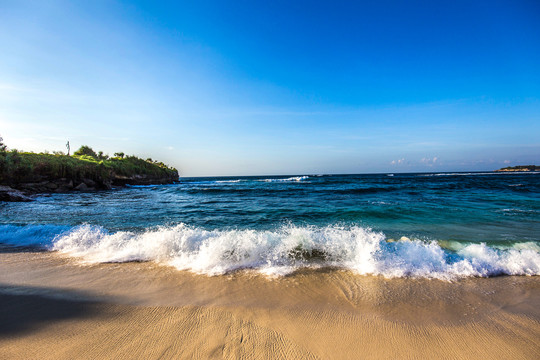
[228, 181]
[289, 248]
[291, 179]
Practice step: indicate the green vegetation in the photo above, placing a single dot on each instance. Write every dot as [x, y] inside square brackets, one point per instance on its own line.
[86, 150]
[521, 168]
[85, 165]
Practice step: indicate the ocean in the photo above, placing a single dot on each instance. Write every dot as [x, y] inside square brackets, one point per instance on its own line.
[439, 225]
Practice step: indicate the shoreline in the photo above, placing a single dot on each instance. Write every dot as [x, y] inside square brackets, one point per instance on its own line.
[27, 173]
[144, 310]
[26, 193]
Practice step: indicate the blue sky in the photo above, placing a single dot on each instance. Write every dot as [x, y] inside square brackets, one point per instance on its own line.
[280, 87]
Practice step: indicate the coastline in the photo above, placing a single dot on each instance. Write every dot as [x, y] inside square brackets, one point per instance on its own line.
[25, 173]
[25, 192]
[89, 311]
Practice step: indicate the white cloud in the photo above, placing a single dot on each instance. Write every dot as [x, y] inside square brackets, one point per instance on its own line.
[429, 161]
[397, 162]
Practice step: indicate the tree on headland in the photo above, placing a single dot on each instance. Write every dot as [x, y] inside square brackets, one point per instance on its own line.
[86, 150]
[3, 147]
[119, 154]
[102, 156]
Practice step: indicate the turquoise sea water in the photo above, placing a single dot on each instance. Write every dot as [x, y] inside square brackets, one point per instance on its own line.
[430, 225]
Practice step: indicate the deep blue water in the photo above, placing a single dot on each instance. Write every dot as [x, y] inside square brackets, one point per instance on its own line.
[498, 209]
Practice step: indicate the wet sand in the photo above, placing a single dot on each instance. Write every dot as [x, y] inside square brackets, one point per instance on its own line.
[52, 307]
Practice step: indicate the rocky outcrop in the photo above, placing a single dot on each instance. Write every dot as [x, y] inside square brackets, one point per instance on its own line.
[9, 194]
[21, 192]
[62, 185]
[119, 180]
[31, 173]
[519, 168]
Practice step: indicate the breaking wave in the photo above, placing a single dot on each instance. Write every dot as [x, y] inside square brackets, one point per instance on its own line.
[282, 251]
[291, 179]
[228, 181]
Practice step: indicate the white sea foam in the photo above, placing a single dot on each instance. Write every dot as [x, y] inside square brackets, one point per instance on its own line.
[291, 179]
[228, 181]
[289, 248]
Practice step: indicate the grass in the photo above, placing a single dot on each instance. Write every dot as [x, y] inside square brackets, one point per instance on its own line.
[27, 167]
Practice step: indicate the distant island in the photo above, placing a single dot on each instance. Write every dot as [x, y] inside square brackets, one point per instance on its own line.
[26, 173]
[520, 168]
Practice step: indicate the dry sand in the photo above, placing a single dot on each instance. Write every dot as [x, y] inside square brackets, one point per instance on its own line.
[54, 308]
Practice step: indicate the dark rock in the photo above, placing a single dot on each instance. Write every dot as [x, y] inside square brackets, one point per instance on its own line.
[81, 187]
[51, 186]
[89, 182]
[107, 185]
[34, 187]
[9, 194]
[64, 185]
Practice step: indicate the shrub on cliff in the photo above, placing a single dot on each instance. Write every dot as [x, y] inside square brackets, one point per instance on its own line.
[3, 147]
[86, 150]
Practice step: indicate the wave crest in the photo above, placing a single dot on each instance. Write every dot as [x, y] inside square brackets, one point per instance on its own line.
[291, 179]
[280, 252]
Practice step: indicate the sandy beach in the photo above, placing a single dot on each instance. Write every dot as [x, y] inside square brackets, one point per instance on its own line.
[53, 307]
[269, 180]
